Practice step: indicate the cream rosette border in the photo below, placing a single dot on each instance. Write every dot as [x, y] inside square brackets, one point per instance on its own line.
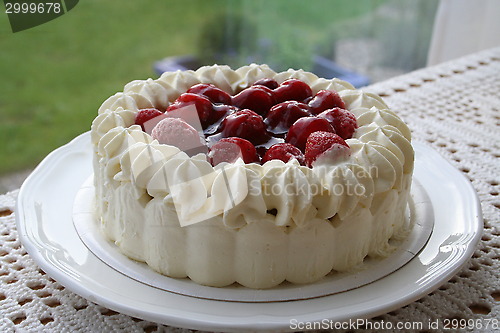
[381, 157]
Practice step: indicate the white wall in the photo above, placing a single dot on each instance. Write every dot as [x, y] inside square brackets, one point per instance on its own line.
[462, 27]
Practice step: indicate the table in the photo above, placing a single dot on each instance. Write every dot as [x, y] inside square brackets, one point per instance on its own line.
[453, 107]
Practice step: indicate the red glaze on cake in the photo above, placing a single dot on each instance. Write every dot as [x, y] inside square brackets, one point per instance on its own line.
[276, 119]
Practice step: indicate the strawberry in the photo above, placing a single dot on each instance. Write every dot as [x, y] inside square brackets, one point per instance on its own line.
[343, 121]
[270, 83]
[301, 129]
[325, 99]
[284, 152]
[245, 124]
[230, 149]
[214, 94]
[292, 90]
[328, 144]
[145, 115]
[283, 115]
[257, 98]
[177, 132]
[204, 107]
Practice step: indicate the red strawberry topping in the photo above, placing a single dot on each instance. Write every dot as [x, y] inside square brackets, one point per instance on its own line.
[283, 115]
[292, 90]
[343, 121]
[220, 111]
[284, 152]
[204, 107]
[270, 83]
[146, 115]
[210, 91]
[260, 116]
[257, 98]
[325, 99]
[177, 132]
[300, 130]
[321, 143]
[245, 124]
[230, 149]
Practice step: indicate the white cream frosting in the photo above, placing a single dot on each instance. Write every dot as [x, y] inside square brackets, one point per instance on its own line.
[303, 222]
[151, 90]
[176, 83]
[108, 120]
[250, 74]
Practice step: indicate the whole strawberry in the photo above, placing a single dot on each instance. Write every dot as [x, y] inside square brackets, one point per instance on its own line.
[326, 146]
[301, 129]
[146, 115]
[343, 121]
[230, 149]
[284, 152]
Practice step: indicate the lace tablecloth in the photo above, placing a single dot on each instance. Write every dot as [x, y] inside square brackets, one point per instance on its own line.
[453, 107]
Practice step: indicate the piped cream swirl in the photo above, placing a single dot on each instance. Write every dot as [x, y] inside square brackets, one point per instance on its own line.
[108, 120]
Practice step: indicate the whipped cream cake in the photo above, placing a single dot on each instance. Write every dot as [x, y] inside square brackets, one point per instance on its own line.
[250, 176]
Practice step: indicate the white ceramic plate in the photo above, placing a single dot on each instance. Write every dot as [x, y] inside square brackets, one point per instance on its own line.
[44, 223]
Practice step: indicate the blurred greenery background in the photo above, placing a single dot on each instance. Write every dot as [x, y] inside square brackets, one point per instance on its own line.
[54, 77]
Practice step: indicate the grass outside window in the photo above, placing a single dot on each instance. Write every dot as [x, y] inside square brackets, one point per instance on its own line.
[54, 77]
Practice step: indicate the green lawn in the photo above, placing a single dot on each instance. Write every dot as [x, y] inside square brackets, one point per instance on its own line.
[54, 77]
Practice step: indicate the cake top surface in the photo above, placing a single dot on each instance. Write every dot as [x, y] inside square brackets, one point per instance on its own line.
[358, 142]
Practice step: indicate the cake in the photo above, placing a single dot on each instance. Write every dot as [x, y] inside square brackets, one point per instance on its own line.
[250, 176]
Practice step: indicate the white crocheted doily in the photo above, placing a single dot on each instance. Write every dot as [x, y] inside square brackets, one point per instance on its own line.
[453, 107]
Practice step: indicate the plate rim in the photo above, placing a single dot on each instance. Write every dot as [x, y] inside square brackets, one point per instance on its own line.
[224, 322]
